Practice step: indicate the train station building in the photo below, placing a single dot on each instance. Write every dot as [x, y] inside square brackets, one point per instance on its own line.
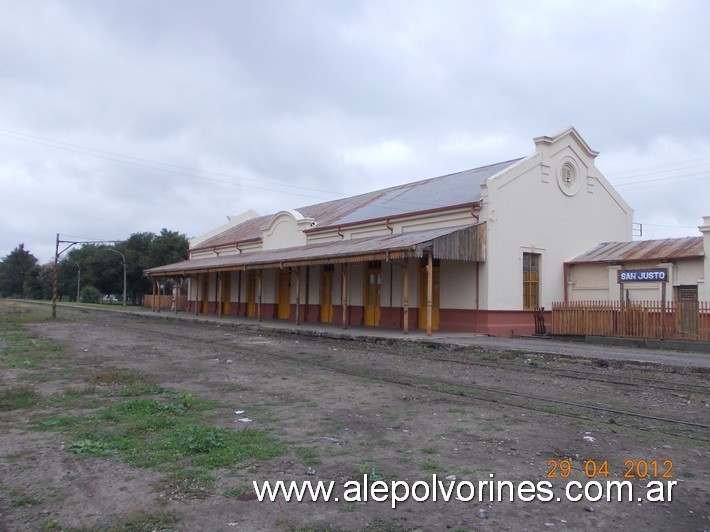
[473, 251]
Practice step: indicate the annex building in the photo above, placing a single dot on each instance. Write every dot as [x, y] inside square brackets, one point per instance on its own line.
[473, 251]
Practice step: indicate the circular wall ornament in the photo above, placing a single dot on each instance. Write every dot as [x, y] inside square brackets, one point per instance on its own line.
[568, 178]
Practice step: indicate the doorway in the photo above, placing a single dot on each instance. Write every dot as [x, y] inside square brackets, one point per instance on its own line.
[326, 294]
[687, 296]
[226, 292]
[373, 293]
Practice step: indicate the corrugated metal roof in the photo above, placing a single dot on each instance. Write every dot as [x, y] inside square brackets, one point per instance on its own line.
[248, 230]
[644, 250]
[460, 188]
[436, 193]
[406, 244]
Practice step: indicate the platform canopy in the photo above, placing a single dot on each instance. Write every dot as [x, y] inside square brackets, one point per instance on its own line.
[466, 243]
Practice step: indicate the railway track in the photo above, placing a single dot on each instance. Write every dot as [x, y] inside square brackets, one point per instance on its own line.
[594, 376]
[465, 357]
[462, 391]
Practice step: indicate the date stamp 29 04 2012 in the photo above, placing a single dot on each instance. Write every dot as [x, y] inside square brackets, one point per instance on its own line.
[594, 469]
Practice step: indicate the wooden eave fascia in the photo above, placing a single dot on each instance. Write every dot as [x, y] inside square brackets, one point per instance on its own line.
[359, 257]
[638, 259]
[227, 247]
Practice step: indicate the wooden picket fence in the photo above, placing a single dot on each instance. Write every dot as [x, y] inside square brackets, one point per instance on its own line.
[164, 302]
[636, 319]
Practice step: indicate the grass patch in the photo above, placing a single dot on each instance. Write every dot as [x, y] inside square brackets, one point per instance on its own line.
[168, 433]
[19, 498]
[20, 348]
[430, 466]
[190, 482]
[307, 455]
[452, 389]
[117, 376]
[19, 397]
[238, 491]
[83, 398]
[141, 523]
[367, 468]
[123, 382]
[90, 447]
[509, 356]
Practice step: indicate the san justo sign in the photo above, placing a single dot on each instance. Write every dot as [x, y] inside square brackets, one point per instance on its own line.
[649, 275]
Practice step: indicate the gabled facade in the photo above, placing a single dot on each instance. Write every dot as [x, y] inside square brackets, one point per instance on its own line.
[472, 251]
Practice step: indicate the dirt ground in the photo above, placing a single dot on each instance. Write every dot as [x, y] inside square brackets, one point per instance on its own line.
[342, 410]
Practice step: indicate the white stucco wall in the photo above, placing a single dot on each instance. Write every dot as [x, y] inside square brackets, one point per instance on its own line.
[589, 282]
[458, 285]
[689, 272]
[704, 284]
[285, 230]
[311, 277]
[356, 283]
[600, 281]
[269, 290]
[414, 269]
[528, 208]
[393, 283]
[419, 222]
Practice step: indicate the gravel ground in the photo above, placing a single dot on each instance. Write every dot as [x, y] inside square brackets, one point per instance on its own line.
[345, 408]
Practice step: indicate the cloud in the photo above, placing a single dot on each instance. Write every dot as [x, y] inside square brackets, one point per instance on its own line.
[130, 116]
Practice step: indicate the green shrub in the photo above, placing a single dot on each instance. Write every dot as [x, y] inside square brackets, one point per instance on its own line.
[89, 294]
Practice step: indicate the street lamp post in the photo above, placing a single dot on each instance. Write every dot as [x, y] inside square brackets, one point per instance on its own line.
[124, 272]
[78, 279]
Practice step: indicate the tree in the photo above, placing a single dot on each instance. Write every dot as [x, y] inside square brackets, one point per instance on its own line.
[38, 282]
[68, 278]
[137, 251]
[14, 270]
[168, 247]
[103, 269]
[99, 268]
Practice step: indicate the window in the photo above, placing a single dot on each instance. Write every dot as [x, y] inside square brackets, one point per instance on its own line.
[531, 280]
[568, 175]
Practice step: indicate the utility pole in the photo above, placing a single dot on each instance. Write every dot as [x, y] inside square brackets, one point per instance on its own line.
[71, 243]
[54, 279]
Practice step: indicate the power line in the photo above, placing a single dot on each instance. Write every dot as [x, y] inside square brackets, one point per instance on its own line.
[162, 166]
[112, 156]
[662, 169]
[662, 180]
[619, 181]
[672, 226]
[87, 239]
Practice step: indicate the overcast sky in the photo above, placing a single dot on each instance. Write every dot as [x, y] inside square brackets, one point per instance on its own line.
[119, 117]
